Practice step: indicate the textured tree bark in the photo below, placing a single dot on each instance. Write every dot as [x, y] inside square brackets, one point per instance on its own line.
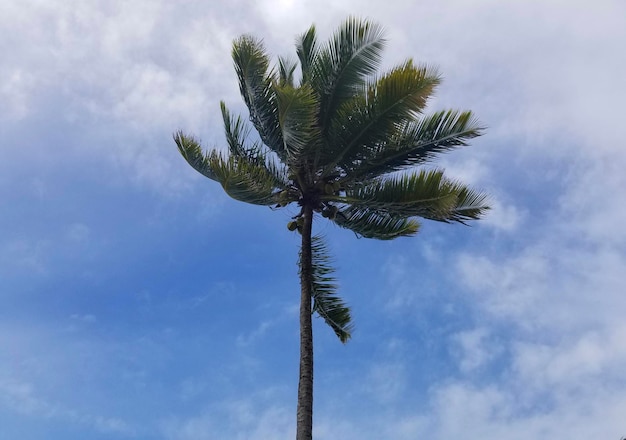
[304, 427]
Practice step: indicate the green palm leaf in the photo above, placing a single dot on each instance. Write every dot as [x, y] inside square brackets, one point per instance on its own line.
[370, 119]
[418, 142]
[244, 178]
[341, 68]
[370, 223]
[427, 194]
[236, 134]
[403, 91]
[326, 302]
[189, 147]
[306, 48]
[255, 84]
[471, 205]
[297, 116]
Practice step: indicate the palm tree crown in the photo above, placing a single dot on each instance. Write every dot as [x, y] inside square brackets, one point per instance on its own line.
[341, 141]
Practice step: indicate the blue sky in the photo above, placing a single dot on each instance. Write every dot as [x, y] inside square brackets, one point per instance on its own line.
[139, 302]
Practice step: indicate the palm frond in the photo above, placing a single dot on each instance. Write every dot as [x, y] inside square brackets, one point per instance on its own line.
[255, 85]
[470, 205]
[370, 119]
[427, 194]
[245, 180]
[306, 48]
[371, 223]
[326, 302]
[404, 90]
[236, 137]
[418, 142]
[189, 147]
[342, 67]
[297, 112]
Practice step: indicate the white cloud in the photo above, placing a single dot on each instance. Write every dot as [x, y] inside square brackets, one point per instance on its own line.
[258, 332]
[505, 288]
[592, 205]
[253, 417]
[121, 75]
[19, 397]
[14, 91]
[590, 361]
[22, 398]
[270, 317]
[403, 293]
[503, 217]
[554, 286]
[41, 254]
[386, 381]
[472, 412]
[475, 348]
[469, 170]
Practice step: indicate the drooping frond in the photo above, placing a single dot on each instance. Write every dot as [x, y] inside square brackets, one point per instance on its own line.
[297, 115]
[306, 47]
[341, 68]
[255, 84]
[370, 223]
[418, 142]
[244, 178]
[427, 194]
[189, 147]
[371, 118]
[326, 302]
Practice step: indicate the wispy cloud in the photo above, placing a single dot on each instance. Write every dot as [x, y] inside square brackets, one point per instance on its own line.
[254, 417]
[22, 398]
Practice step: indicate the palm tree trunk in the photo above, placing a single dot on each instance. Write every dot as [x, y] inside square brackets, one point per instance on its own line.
[304, 428]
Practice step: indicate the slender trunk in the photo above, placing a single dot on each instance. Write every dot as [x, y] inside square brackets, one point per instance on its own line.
[304, 428]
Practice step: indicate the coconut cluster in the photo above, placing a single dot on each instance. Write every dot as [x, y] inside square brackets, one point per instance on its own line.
[296, 224]
[327, 209]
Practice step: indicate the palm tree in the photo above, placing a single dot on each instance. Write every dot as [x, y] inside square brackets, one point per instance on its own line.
[343, 142]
